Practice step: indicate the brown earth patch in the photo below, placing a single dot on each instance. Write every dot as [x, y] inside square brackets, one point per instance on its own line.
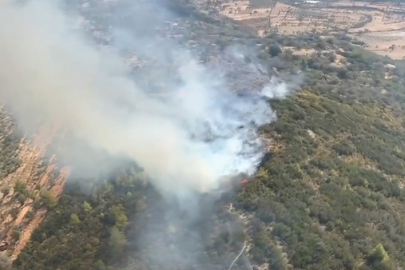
[36, 177]
[379, 25]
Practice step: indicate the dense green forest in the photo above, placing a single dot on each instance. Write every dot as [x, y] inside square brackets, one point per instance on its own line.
[329, 197]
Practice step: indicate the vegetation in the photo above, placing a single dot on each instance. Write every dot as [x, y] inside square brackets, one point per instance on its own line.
[83, 230]
[9, 144]
[330, 197]
[5, 262]
[333, 193]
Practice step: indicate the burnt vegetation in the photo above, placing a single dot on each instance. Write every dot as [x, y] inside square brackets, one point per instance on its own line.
[330, 195]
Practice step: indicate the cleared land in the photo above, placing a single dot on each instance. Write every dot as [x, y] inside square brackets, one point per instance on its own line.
[380, 26]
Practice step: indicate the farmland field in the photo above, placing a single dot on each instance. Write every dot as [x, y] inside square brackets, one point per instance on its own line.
[377, 27]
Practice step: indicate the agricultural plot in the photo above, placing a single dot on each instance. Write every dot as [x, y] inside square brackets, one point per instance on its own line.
[377, 27]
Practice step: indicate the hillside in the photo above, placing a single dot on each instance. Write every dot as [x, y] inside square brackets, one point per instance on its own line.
[26, 178]
[329, 194]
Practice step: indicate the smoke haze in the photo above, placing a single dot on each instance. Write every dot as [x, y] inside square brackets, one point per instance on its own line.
[51, 73]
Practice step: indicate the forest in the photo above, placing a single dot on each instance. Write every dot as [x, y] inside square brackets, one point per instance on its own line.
[330, 196]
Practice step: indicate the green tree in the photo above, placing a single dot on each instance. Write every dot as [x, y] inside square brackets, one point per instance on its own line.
[20, 187]
[379, 259]
[87, 207]
[100, 265]
[74, 219]
[94, 241]
[117, 242]
[16, 234]
[275, 50]
[119, 216]
[49, 199]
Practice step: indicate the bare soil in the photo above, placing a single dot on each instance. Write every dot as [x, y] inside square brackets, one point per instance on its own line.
[379, 25]
[37, 177]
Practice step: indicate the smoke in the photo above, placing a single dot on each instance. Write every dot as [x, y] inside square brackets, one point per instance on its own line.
[51, 73]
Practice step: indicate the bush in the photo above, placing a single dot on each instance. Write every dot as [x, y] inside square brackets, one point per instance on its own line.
[49, 199]
[16, 234]
[5, 261]
[5, 190]
[275, 50]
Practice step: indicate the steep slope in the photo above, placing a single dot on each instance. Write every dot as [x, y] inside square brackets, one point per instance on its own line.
[329, 196]
[333, 193]
[23, 187]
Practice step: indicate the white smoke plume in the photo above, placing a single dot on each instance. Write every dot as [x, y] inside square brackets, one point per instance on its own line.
[52, 73]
